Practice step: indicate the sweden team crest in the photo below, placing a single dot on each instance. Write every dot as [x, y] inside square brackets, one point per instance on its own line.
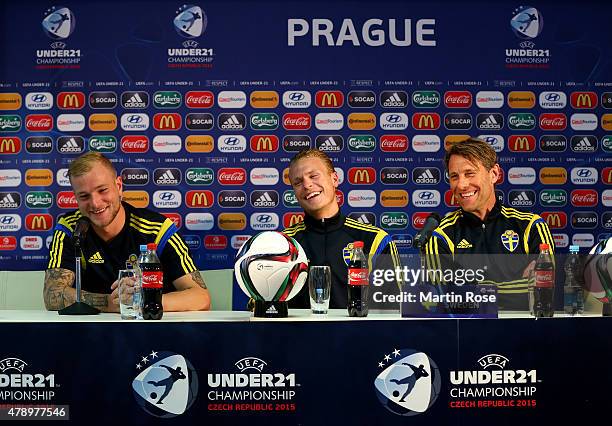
[346, 253]
[510, 240]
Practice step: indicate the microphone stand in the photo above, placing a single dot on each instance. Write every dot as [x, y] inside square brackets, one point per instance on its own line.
[78, 307]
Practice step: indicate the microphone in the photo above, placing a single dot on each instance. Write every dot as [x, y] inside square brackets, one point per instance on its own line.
[431, 223]
[80, 230]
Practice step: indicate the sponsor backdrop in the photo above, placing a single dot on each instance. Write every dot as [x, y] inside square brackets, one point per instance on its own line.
[419, 373]
[201, 106]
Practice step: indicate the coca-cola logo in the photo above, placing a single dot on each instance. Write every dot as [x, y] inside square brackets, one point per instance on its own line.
[418, 219]
[39, 122]
[231, 176]
[66, 200]
[553, 121]
[394, 143]
[134, 144]
[584, 197]
[199, 99]
[297, 121]
[458, 99]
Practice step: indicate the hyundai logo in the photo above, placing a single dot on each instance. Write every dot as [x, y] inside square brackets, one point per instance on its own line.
[39, 98]
[134, 119]
[231, 141]
[264, 218]
[393, 118]
[7, 220]
[426, 195]
[65, 174]
[553, 97]
[296, 96]
[490, 140]
[166, 196]
[584, 173]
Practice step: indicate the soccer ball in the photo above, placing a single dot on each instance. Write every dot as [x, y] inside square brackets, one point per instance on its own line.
[271, 266]
[598, 271]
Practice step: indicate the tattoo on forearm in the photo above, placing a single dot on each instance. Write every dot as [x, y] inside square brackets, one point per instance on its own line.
[198, 279]
[57, 281]
[96, 300]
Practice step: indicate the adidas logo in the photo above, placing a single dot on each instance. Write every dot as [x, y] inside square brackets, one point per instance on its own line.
[426, 177]
[135, 101]
[329, 143]
[70, 145]
[490, 123]
[265, 200]
[394, 101]
[463, 244]
[271, 310]
[232, 123]
[363, 219]
[522, 199]
[96, 258]
[167, 178]
[8, 202]
[583, 145]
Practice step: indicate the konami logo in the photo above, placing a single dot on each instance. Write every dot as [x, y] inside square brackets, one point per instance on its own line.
[231, 176]
[66, 200]
[584, 198]
[458, 99]
[553, 121]
[39, 122]
[215, 242]
[297, 121]
[394, 143]
[8, 242]
[134, 144]
[199, 99]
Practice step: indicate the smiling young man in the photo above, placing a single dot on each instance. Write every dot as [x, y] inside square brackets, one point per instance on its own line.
[116, 233]
[483, 228]
[326, 234]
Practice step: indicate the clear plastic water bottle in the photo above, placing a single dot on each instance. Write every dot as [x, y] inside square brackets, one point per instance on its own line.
[138, 289]
[571, 285]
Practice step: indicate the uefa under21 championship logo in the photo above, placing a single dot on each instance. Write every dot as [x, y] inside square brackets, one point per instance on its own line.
[166, 385]
[190, 21]
[409, 383]
[527, 22]
[59, 22]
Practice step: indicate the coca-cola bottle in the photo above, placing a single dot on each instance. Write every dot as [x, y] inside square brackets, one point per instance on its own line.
[544, 290]
[358, 282]
[152, 284]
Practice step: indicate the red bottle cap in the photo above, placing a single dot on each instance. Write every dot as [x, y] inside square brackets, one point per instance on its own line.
[151, 246]
[358, 244]
[544, 246]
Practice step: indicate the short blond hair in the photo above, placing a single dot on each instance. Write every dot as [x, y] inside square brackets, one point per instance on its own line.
[313, 153]
[475, 150]
[84, 163]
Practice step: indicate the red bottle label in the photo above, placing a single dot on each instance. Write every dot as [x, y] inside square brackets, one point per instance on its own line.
[152, 279]
[545, 279]
[357, 276]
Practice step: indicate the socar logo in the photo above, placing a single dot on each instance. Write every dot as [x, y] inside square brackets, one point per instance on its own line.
[409, 383]
[166, 384]
[527, 22]
[59, 22]
[190, 21]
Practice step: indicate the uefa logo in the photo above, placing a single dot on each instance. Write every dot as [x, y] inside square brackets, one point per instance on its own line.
[409, 382]
[166, 384]
[58, 23]
[527, 22]
[190, 21]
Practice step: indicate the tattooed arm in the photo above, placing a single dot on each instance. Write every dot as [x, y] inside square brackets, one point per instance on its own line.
[59, 293]
[191, 294]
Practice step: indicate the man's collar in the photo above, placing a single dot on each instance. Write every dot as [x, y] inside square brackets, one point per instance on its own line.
[495, 211]
[324, 225]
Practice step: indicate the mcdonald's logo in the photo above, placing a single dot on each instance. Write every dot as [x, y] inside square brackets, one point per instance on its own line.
[606, 176]
[199, 199]
[522, 143]
[426, 121]
[449, 199]
[10, 101]
[138, 199]
[70, 100]
[264, 143]
[290, 219]
[168, 121]
[555, 220]
[361, 175]
[331, 99]
[39, 222]
[583, 100]
[10, 145]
